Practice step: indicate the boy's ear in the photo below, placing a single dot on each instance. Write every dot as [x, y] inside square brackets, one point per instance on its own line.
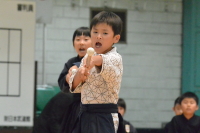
[197, 107]
[116, 38]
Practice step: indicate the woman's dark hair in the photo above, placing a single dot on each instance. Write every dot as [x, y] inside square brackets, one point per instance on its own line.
[81, 31]
[121, 103]
[110, 19]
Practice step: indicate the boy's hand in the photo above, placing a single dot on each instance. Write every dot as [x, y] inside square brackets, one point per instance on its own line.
[82, 74]
[70, 70]
[70, 73]
[90, 64]
[80, 77]
[94, 61]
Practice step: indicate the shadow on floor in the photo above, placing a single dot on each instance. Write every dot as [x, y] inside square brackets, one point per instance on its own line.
[15, 129]
[29, 130]
[147, 130]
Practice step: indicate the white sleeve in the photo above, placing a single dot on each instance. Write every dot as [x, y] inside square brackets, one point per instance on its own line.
[78, 88]
[112, 67]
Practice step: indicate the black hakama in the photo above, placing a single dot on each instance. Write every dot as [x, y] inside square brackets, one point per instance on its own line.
[73, 109]
[97, 118]
[61, 111]
[71, 114]
[51, 117]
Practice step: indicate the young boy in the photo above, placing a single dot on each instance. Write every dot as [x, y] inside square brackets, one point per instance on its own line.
[188, 122]
[122, 109]
[177, 107]
[177, 110]
[99, 84]
[81, 41]
[60, 113]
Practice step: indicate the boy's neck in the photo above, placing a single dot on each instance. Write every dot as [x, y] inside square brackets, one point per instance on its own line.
[188, 116]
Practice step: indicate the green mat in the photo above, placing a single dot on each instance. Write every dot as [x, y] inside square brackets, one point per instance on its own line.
[43, 95]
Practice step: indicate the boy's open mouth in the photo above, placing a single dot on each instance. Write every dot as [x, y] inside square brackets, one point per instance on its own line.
[98, 44]
[82, 49]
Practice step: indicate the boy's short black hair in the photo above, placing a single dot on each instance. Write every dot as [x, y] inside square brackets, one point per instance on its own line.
[109, 18]
[81, 31]
[189, 95]
[121, 103]
[177, 101]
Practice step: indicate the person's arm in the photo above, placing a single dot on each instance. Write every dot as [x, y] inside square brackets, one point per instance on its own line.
[64, 76]
[76, 78]
[106, 65]
[80, 77]
[111, 67]
[96, 61]
[83, 72]
[70, 73]
[64, 86]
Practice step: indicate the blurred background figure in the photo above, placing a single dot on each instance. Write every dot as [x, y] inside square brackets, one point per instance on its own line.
[177, 107]
[177, 110]
[129, 128]
[188, 121]
[60, 113]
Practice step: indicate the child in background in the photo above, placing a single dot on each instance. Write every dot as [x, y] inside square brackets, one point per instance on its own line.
[99, 84]
[60, 113]
[81, 42]
[122, 109]
[177, 110]
[177, 107]
[188, 122]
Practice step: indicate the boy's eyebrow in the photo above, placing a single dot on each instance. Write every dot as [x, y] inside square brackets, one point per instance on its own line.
[103, 29]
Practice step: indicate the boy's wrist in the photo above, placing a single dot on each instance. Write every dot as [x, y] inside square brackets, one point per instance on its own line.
[98, 60]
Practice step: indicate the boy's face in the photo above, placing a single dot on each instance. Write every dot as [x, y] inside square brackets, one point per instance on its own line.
[177, 109]
[81, 44]
[121, 110]
[189, 106]
[103, 38]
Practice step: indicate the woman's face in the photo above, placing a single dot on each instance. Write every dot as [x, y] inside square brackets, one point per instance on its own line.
[81, 44]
